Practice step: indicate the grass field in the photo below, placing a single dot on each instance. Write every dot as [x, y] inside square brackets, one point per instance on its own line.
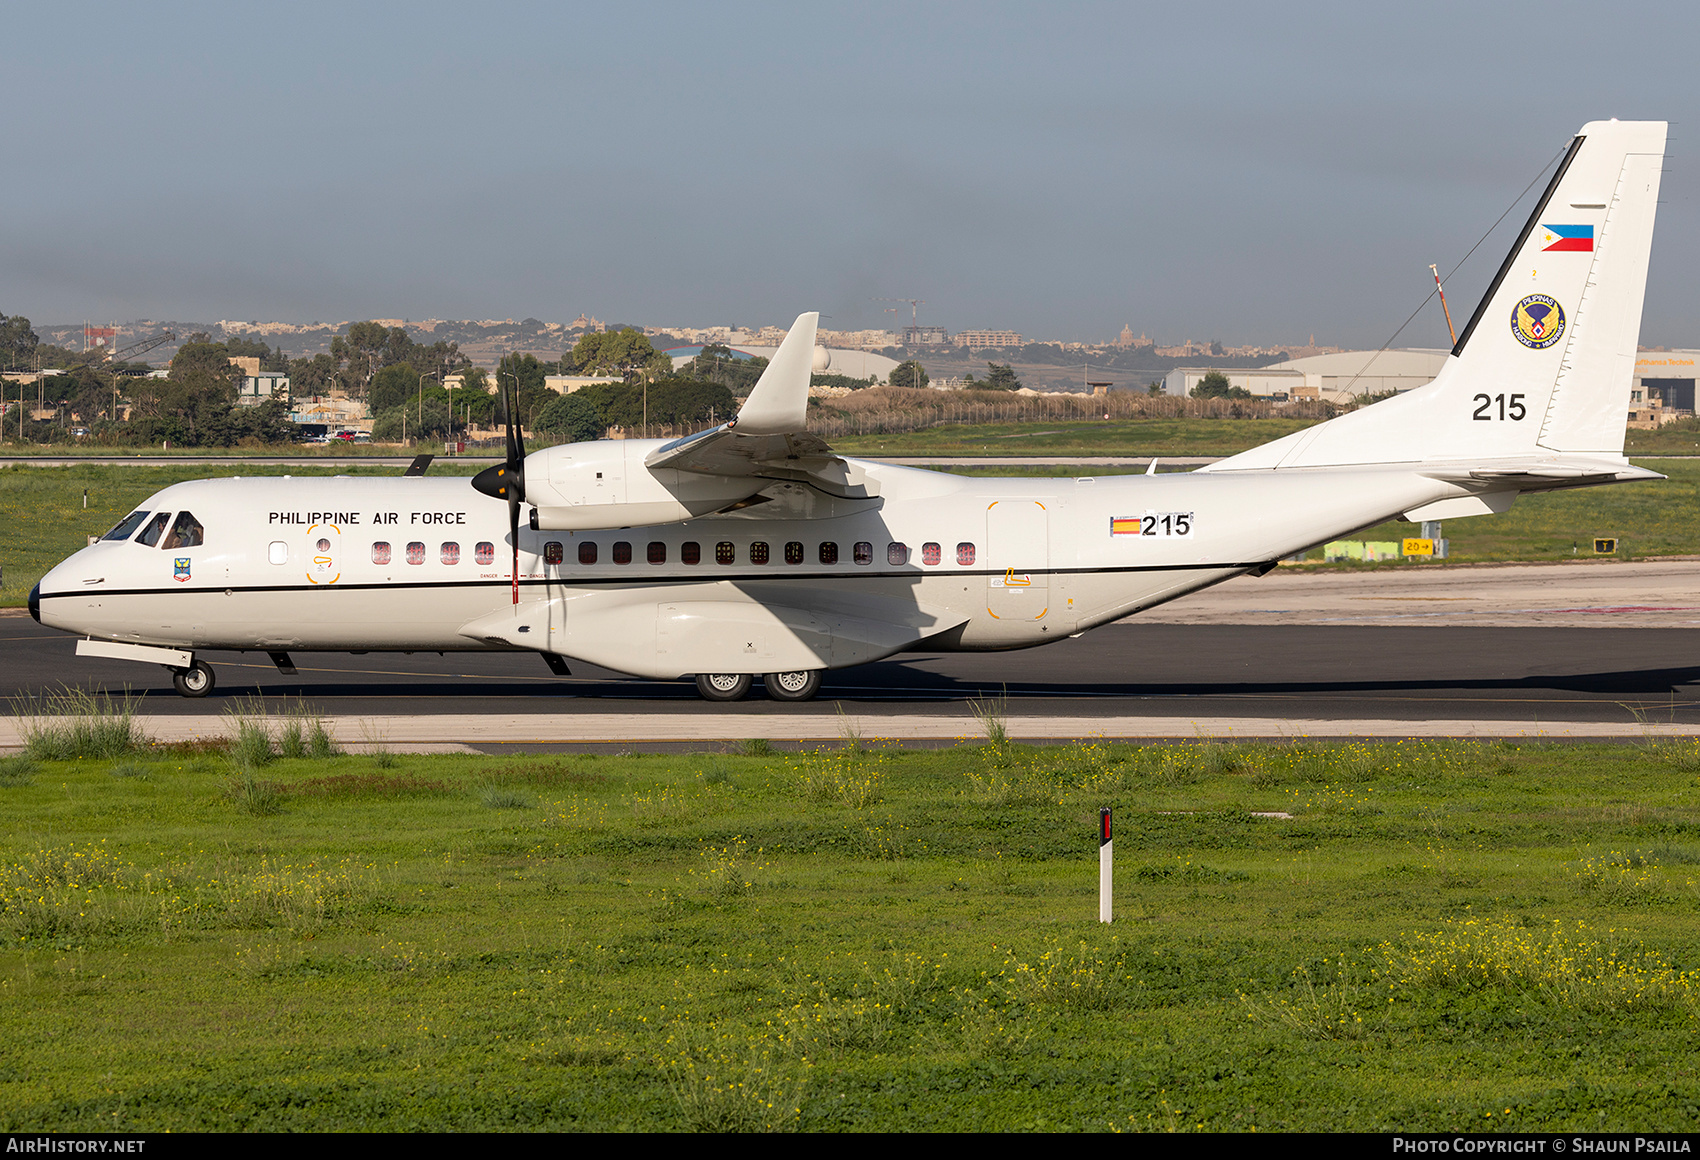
[1443, 936]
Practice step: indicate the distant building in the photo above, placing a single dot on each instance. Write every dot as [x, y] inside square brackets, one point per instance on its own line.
[256, 386]
[925, 336]
[568, 384]
[855, 364]
[981, 339]
[1335, 378]
[1663, 389]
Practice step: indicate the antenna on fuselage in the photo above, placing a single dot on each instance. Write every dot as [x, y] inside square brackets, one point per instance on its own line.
[420, 465]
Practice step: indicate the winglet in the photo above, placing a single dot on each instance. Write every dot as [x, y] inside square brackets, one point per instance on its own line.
[780, 401]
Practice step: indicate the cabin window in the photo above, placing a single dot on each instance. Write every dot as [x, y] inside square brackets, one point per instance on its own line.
[185, 533]
[450, 554]
[863, 552]
[552, 552]
[278, 552]
[126, 527]
[965, 554]
[829, 552]
[416, 552]
[725, 553]
[485, 553]
[794, 552]
[758, 552]
[587, 552]
[156, 527]
[897, 554]
[690, 552]
[380, 553]
[930, 554]
[622, 552]
[657, 552]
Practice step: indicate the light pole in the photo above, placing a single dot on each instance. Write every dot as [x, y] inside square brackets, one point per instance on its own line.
[422, 378]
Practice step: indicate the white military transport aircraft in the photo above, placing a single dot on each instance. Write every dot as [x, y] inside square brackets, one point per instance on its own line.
[752, 549]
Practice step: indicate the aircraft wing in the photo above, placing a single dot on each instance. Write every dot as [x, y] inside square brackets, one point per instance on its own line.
[767, 437]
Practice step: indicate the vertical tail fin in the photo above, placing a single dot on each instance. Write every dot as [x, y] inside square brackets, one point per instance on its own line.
[1544, 365]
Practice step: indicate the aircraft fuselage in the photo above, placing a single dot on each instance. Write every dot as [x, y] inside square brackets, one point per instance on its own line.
[351, 563]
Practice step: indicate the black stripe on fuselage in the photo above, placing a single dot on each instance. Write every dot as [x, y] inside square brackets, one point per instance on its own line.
[638, 578]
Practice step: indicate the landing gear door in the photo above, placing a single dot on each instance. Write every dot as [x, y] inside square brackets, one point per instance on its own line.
[1018, 552]
[324, 554]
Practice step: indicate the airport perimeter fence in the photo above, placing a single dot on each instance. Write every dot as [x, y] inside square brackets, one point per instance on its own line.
[892, 412]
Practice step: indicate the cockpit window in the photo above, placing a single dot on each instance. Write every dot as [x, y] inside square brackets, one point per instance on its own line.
[150, 534]
[185, 533]
[126, 527]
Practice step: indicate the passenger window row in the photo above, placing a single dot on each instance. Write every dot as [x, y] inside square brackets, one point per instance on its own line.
[484, 552]
[758, 553]
[690, 553]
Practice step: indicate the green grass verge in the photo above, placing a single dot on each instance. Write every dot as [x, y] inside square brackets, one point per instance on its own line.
[1442, 937]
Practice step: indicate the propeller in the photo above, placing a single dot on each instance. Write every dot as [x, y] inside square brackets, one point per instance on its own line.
[507, 480]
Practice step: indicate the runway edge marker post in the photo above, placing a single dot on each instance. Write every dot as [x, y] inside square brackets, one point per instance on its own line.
[1105, 858]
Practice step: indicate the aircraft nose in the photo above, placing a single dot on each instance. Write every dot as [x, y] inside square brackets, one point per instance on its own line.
[35, 602]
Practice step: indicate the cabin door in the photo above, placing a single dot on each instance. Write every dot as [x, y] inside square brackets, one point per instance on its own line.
[1018, 552]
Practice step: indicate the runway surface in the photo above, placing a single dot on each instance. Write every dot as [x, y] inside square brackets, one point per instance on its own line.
[1590, 650]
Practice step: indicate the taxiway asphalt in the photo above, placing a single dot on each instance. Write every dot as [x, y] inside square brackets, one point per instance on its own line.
[1585, 650]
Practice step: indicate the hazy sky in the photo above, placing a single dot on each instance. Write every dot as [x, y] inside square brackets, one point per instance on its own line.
[1247, 172]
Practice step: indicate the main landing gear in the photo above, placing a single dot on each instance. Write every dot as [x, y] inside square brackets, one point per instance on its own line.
[799, 686]
[195, 681]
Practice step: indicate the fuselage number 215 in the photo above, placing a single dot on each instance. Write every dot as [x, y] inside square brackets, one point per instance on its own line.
[1489, 407]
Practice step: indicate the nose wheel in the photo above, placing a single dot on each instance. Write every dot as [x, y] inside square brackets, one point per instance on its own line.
[195, 681]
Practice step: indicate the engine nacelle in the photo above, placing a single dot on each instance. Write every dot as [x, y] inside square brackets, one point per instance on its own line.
[604, 484]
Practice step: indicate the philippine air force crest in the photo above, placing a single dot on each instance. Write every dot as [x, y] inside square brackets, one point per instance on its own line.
[1537, 321]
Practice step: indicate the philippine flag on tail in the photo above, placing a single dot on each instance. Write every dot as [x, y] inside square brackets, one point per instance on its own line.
[1561, 238]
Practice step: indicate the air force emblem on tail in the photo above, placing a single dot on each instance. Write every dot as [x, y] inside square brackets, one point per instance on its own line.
[1537, 321]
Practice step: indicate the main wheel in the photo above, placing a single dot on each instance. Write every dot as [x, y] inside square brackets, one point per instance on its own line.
[793, 686]
[195, 681]
[724, 686]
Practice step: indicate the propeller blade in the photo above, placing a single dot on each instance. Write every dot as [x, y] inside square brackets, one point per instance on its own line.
[513, 531]
[507, 479]
[516, 478]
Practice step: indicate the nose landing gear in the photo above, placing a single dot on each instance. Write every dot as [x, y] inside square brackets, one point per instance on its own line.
[195, 681]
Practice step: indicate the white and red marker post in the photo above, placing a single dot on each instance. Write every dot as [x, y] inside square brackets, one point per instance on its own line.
[1104, 860]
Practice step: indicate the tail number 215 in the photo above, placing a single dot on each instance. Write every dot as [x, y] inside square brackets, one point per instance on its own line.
[1486, 404]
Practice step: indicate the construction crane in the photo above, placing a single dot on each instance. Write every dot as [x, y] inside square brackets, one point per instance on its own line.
[142, 347]
[915, 305]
